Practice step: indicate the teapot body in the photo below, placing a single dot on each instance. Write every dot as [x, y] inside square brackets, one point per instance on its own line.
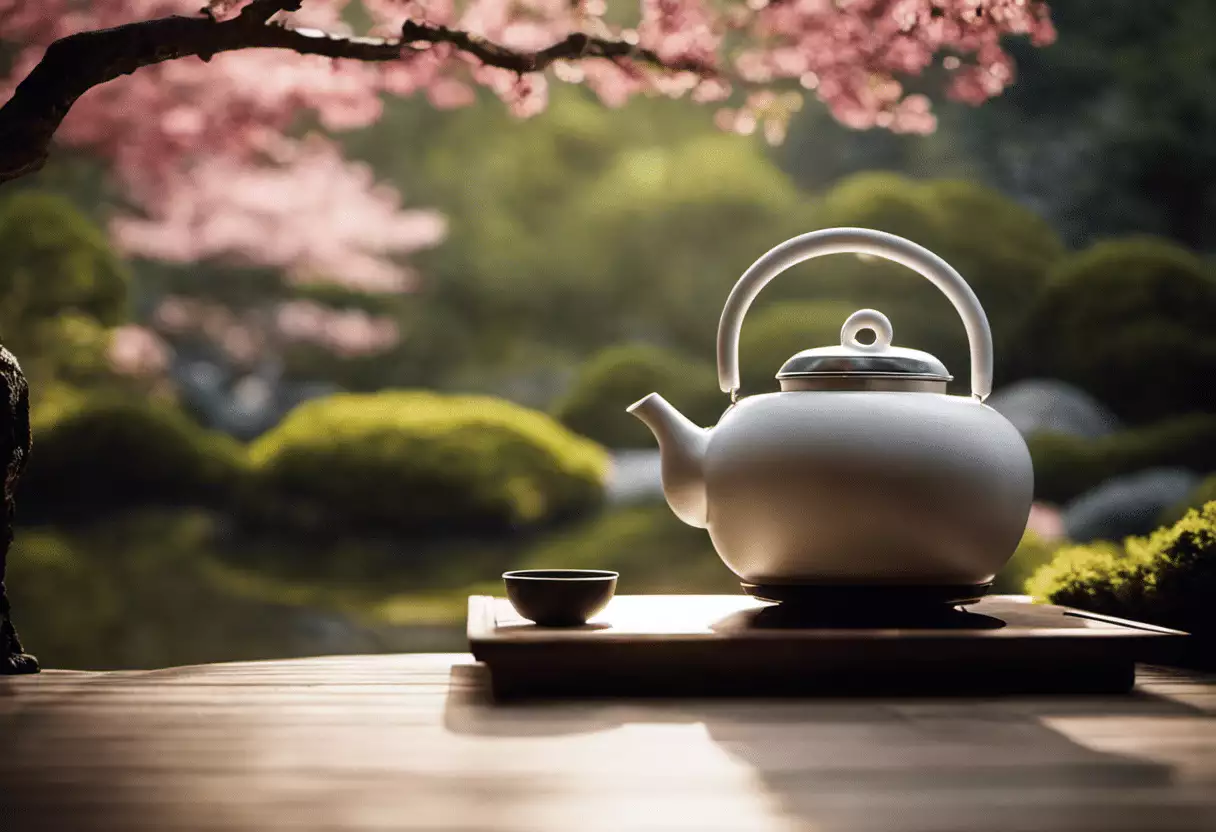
[852, 487]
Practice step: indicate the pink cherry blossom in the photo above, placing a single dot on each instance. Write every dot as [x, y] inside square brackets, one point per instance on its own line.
[202, 148]
[347, 332]
[220, 208]
[136, 351]
[1046, 522]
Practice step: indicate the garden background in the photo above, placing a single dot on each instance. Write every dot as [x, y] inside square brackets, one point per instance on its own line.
[231, 462]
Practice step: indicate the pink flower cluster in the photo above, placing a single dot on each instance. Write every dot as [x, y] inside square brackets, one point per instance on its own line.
[310, 212]
[853, 53]
[203, 148]
[136, 351]
[350, 333]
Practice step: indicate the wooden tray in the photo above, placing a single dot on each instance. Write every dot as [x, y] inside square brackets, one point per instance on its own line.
[706, 645]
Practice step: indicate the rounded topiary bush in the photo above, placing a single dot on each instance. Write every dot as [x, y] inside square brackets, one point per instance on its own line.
[1067, 466]
[616, 377]
[101, 454]
[63, 286]
[54, 260]
[1129, 321]
[1167, 578]
[424, 463]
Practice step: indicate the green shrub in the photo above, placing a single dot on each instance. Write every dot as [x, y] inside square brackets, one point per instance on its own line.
[1067, 466]
[616, 377]
[62, 286]
[54, 260]
[1167, 578]
[417, 462]
[1003, 249]
[1032, 553]
[1129, 321]
[142, 590]
[100, 454]
[1200, 495]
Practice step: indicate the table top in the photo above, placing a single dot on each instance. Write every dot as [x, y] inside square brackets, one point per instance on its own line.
[412, 742]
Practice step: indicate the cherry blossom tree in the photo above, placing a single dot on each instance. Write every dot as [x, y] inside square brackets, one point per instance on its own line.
[199, 112]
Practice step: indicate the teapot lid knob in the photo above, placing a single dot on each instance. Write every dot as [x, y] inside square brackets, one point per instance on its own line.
[898, 367]
[859, 322]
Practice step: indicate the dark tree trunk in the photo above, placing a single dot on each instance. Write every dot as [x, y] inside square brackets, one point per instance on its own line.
[14, 451]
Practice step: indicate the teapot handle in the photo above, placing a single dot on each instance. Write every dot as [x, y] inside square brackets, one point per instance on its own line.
[854, 241]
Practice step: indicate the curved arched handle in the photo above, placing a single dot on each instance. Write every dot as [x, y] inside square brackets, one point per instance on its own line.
[855, 241]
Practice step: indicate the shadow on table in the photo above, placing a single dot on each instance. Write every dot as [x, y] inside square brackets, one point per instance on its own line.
[948, 765]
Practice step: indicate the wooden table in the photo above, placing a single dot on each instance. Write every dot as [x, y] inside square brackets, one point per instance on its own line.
[411, 742]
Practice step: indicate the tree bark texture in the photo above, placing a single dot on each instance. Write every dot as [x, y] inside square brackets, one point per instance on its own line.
[14, 452]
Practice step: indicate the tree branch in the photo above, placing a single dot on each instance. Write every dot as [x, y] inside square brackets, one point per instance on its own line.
[260, 11]
[75, 64]
[575, 46]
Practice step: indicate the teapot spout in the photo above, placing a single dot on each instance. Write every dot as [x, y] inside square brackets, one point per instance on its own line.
[682, 447]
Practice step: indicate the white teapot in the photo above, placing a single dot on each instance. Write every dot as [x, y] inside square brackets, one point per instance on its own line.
[862, 473]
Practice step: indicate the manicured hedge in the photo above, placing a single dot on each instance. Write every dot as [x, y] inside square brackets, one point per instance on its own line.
[1066, 467]
[1167, 578]
[1130, 322]
[100, 454]
[618, 376]
[419, 462]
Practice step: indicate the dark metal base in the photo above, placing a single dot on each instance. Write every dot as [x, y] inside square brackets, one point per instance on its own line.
[856, 597]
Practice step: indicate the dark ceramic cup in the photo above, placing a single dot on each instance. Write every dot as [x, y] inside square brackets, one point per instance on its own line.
[559, 597]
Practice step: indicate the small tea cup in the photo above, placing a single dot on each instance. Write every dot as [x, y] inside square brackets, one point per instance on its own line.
[560, 597]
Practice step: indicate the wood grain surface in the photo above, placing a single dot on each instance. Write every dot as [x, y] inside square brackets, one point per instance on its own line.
[412, 742]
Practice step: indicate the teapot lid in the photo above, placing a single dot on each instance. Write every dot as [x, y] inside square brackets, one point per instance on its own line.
[884, 366]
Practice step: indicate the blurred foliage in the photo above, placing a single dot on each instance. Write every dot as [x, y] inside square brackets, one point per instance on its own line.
[1033, 552]
[147, 590]
[591, 227]
[617, 377]
[666, 231]
[653, 551]
[1200, 495]
[54, 260]
[101, 453]
[1167, 578]
[1001, 249]
[129, 593]
[1130, 322]
[63, 288]
[417, 462]
[581, 229]
[1067, 466]
[1110, 130]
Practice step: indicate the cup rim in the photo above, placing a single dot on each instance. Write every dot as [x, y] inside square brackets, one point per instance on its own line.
[560, 575]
